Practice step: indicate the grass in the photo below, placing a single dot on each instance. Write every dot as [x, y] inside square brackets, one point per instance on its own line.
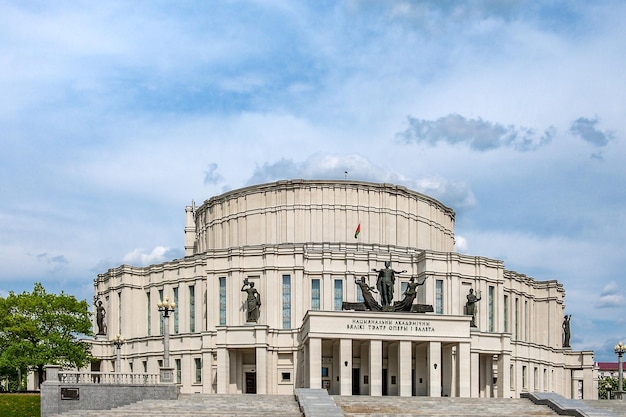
[20, 405]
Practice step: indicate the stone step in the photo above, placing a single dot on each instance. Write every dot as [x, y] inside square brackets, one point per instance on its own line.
[204, 405]
[422, 406]
[616, 407]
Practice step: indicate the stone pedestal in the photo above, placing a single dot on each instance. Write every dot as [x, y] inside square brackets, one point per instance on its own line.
[166, 375]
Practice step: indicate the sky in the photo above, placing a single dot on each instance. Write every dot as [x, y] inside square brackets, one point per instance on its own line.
[115, 115]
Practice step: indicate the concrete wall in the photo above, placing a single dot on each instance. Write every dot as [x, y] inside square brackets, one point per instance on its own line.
[99, 396]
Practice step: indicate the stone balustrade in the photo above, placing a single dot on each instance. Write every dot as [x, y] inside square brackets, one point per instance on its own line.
[108, 378]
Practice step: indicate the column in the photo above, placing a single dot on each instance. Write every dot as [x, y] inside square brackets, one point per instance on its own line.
[434, 369]
[376, 368]
[404, 368]
[345, 367]
[463, 361]
[315, 363]
[261, 370]
[223, 370]
[207, 373]
[475, 374]
[448, 371]
[364, 389]
[487, 371]
[421, 370]
[306, 372]
[504, 375]
[590, 388]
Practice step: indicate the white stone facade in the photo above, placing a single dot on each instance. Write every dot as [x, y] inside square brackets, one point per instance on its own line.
[295, 240]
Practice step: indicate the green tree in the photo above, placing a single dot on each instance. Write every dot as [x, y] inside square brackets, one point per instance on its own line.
[38, 329]
[606, 385]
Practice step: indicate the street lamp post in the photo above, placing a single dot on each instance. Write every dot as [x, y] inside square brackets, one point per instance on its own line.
[619, 351]
[166, 307]
[118, 342]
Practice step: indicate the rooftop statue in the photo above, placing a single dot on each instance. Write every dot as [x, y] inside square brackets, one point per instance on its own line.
[409, 295]
[100, 314]
[566, 330]
[368, 298]
[385, 283]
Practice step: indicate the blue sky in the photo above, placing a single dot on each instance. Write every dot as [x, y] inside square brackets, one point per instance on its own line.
[115, 115]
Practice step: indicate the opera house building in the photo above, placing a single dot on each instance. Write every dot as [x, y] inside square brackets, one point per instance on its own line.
[350, 286]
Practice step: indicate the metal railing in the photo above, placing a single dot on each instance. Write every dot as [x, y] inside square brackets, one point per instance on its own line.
[108, 378]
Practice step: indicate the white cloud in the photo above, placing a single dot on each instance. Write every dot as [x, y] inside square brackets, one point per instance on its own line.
[611, 296]
[141, 257]
[460, 244]
[158, 105]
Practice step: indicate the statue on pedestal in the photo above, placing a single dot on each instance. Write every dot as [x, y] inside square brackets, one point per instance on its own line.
[566, 330]
[368, 298]
[253, 302]
[470, 306]
[100, 314]
[385, 283]
[409, 295]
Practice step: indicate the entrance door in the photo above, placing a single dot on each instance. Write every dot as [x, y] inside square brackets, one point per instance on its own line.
[356, 379]
[250, 383]
[385, 386]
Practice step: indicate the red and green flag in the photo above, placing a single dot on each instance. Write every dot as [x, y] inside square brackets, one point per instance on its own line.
[358, 230]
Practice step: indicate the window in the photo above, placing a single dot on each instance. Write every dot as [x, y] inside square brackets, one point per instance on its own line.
[161, 315]
[338, 294]
[145, 366]
[324, 372]
[315, 294]
[192, 308]
[524, 378]
[285, 376]
[148, 313]
[222, 301]
[536, 379]
[491, 307]
[286, 302]
[160, 362]
[130, 366]
[198, 364]
[439, 296]
[176, 310]
[403, 287]
[516, 318]
[506, 314]
[179, 375]
[526, 321]
[119, 312]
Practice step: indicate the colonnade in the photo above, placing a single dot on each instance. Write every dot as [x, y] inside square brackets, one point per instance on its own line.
[389, 367]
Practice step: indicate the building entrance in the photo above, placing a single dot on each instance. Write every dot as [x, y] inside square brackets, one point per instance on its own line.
[356, 378]
[385, 385]
[250, 382]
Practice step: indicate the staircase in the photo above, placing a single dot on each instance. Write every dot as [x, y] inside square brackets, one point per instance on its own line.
[203, 405]
[616, 407]
[360, 406]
